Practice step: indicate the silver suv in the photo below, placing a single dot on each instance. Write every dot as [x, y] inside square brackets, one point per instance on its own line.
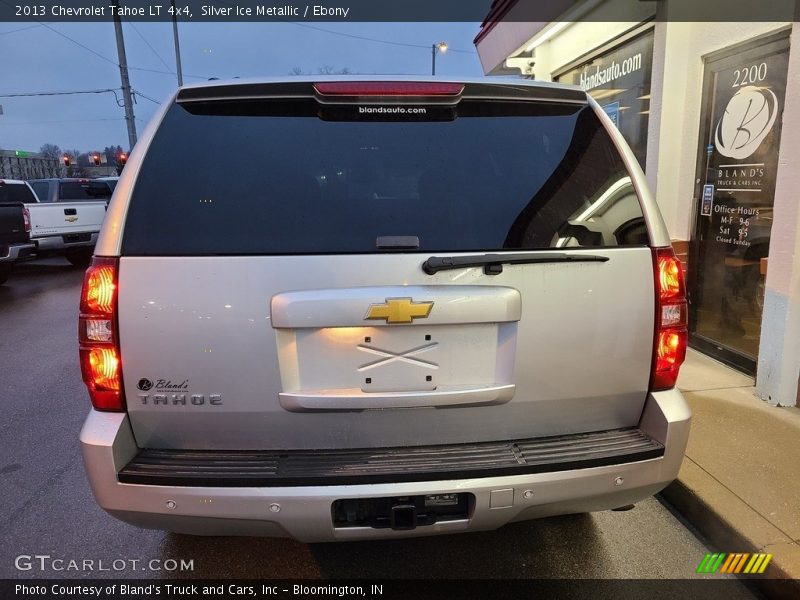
[346, 309]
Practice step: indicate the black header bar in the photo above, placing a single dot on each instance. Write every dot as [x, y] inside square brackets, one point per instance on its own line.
[485, 11]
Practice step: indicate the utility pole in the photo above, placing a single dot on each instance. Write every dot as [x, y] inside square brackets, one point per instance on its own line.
[440, 47]
[126, 84]
[177, 44]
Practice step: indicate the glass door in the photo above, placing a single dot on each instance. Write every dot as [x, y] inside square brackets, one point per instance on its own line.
[735, 186]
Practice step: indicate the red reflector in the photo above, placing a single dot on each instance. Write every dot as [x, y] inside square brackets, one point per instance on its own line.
[671, 336]
[388, 88]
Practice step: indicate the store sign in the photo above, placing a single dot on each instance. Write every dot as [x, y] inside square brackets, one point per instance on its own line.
[748, 119]
[743, 103]
[619, 79]
[708, 200]
[612, 110]
[598, 73]
[744, 157]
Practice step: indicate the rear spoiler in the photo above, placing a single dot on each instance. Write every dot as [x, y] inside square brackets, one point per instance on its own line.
[307, 90]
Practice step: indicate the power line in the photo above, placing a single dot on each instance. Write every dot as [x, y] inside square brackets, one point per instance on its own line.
[375, 40]
[170, 73]
[138, 93]
[97, 54]
[353, 36]
[20, 29]
[62, 121]
[77, 43]
[153, 50]
[20, 94]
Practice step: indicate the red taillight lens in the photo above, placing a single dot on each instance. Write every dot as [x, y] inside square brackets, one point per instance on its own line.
[26, 216]
[388, 88]
[99, 285]
[97, 333]
[670, 276]
[671, 336]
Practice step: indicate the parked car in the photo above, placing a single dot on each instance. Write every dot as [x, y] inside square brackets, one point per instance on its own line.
[62, 226]
[15, 227]
[380, 309]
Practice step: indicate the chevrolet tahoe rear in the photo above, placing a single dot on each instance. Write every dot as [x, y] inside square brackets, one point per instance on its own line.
[337, 309]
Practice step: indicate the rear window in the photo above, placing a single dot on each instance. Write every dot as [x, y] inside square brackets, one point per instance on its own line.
[83, 190]
[269, 177]
[15, 192]
[42, 189]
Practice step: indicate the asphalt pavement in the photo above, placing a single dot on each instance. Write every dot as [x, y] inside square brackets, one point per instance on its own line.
[48, 508]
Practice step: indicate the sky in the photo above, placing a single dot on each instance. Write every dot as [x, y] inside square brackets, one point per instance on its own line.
[41, 58]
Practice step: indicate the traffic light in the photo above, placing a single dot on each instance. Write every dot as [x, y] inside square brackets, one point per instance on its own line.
[122, 158]
[67, 160]
[96, 159]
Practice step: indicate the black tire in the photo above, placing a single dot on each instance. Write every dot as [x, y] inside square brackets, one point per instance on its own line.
[5, 271]
[79, 258]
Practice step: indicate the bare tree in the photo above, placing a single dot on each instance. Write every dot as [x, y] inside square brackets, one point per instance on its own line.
[50, 151]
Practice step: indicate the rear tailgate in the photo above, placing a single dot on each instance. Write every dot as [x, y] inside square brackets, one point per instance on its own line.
[61, 218]
[280, 301]
[12, 225]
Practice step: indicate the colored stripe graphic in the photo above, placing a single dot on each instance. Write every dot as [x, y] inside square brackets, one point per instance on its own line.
[767, 558]
[701, 568]
[728, 562]
[735, 563]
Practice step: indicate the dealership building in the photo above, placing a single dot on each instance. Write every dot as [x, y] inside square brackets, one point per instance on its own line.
[712, 111]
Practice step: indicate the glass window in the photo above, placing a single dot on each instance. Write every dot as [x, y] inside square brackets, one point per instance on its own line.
[42, 189]
[83, 190]
[275, 178]
[620, 82]
[15, 192]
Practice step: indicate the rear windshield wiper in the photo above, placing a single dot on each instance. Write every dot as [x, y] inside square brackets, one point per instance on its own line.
[493, 263]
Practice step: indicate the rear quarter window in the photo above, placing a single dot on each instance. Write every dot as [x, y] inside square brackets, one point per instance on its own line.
[270, 177]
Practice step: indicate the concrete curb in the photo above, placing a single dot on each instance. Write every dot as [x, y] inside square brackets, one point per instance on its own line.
[784, 583]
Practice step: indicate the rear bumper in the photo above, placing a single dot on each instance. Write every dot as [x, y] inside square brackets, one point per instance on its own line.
[15, 252]
[304, 511]
[59, 243]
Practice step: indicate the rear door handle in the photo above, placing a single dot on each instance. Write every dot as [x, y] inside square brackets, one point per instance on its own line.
[70, 211]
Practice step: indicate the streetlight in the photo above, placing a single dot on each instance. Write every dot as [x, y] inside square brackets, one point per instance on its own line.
[441, 47]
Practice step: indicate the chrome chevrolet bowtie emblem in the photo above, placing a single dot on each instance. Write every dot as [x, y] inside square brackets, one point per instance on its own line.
[399, 310]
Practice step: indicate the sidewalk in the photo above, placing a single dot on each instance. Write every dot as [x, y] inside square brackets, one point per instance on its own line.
[739, 484]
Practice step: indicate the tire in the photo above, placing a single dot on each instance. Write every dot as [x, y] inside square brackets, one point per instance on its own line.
[5, 271]
[79, 258]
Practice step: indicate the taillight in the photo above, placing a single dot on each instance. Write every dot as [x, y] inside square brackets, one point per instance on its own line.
[671, 335]
[388, 88]
[26, 216]
[98, 337]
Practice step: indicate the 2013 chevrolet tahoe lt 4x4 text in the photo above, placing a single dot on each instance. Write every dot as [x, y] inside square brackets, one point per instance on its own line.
[337, 309]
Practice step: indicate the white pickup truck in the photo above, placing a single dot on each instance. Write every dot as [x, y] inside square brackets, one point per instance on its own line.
[63, 227]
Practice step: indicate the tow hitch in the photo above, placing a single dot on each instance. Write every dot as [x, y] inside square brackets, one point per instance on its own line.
[402, 513]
